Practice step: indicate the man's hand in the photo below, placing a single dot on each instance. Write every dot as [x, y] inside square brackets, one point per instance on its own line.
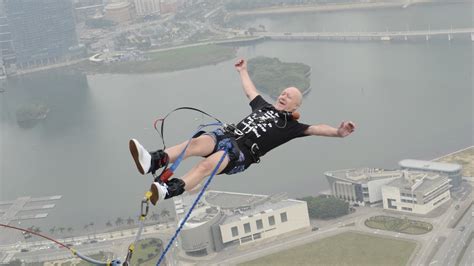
[345, 129]
[247, 84]
[241, 65]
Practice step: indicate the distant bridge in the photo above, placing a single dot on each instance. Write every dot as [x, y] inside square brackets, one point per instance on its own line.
[372, 36]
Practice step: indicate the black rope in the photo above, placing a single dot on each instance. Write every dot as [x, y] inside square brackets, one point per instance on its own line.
[161, 131]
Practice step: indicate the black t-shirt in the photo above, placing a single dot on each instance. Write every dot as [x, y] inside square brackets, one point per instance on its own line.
[267, 127]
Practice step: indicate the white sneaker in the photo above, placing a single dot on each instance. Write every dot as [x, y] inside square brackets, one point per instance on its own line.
[140, 155]
[158, 192]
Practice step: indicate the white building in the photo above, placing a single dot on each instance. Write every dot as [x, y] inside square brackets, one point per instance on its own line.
[454, 171]
[416, 192]
[118, 11]
[225, 219]
[362, 186]
[147, 7]
[265, 222]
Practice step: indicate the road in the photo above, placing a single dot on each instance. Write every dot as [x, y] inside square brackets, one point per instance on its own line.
[456, 239]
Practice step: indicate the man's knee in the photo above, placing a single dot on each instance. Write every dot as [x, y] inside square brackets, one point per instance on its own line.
[205, 166]
[202, 145]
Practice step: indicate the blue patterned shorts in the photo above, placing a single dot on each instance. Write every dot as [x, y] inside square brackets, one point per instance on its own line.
[236, 157]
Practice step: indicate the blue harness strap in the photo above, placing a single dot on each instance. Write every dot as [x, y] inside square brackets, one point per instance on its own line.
[168, 172]
[181, 155]
[201, 193]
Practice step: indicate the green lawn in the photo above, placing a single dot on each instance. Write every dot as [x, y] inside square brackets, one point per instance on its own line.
[166, 61]
[395, 224]
[147, 252]
[344, 249]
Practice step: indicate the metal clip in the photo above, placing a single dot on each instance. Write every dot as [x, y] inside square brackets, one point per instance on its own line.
[256, 152]
[145, 205]
[129, 255]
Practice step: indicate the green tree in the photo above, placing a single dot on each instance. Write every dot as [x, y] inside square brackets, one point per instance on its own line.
[272, 76]
[322, 207]
[119, 221]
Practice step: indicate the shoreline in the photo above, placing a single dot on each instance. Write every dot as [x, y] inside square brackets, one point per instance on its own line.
[244, 40]
[312, 8]
[453, 153]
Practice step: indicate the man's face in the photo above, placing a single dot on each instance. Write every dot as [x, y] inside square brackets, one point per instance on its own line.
[289, 100]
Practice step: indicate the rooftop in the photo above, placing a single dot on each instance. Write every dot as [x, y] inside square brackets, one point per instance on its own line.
[236, 206]
[259, 210]
[420, 181]
[363, 175]
[429, 165]
[230, 200]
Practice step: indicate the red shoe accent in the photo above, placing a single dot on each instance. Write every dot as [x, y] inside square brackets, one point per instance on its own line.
[166, 175]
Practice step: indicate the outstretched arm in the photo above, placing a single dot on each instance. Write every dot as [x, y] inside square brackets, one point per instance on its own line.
[247, 84]
[344, 130]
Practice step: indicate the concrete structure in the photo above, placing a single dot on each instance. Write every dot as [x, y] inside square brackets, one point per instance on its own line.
[454, 171]
[24, 208]
[41, 32]
[416, 192]
[225, 219]
[118, 11]
[147, 7]
[362, 186]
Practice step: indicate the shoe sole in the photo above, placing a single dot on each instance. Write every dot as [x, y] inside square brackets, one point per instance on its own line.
[134, 151]
[154, 194]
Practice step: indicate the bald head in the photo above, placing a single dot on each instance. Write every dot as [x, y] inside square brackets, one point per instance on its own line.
[289, 100]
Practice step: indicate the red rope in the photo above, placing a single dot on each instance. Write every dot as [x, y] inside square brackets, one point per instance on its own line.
[36, 234]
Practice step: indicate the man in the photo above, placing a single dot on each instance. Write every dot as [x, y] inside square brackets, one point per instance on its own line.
[267, 127]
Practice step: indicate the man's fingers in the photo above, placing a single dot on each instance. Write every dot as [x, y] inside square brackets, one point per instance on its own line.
[351, 126]
[239, 63]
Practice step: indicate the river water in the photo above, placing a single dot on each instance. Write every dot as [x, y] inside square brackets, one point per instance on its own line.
[408, 100]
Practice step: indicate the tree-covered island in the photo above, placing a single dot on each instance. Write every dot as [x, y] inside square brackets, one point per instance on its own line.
[271, 76]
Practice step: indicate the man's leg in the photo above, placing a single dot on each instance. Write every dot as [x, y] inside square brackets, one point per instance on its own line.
[147, 162]
[191, 179]
[204, 168]
[200, 146]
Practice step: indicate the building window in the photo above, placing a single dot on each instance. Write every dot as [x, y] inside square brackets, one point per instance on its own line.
[259, 224]
[271, 220]
[247, 227]
[283, 217]
[390, 203]
[406, 209]
[257, 236]
[235, 231]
